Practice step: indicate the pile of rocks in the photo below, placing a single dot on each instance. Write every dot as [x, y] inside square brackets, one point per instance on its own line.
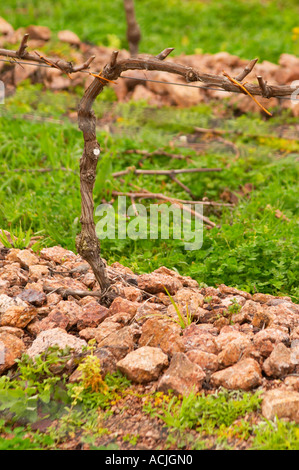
[158, 94]
[235, 340]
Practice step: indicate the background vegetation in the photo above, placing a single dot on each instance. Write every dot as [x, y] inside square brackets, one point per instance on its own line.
[247, 28]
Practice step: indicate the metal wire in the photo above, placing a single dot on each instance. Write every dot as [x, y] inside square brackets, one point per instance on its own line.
[12, 61]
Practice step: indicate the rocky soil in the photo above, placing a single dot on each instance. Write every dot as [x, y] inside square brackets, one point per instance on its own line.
[158, 94]
[235, 340]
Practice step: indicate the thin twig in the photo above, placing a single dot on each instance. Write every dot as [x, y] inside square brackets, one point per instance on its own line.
[246, 71]
[182, 185]
[62, 65]
[144, 194]
[263, 85]
[37, 170]
[157, 152]
[148, 195]
[164, 172]
[242, 87]
[23, 46]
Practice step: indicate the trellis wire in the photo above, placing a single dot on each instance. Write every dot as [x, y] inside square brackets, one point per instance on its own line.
[12, 61]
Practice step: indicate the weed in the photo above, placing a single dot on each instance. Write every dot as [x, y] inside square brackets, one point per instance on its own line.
[39, 387]
[276, 435]
[206, 413]
[183, 320]
[131, 438]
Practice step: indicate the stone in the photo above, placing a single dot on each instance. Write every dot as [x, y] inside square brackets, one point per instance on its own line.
[207, 361]
[121, 342]
[292, 382]
[69, 37]
[182, 376]
[148, 310]
[251, 351]
[247, 312]
[185, 96]
[262, 298]
[37, 286]
[39, 32]
[285, 315]
[281, 403]
[89, 280]
[91, 316]
[279, 363]
[64, 315]
[177, 95]
[233, 351]
[4, 285]
[107, 361]
[120, 267]
[57, 254]
[88, 299]
[144, 364]
[188, 301]
[18, 317]
[262, 318]
[37, 272]
[33, 297]
[122, 318]
[220, 323]
[6, 302]
[5, 27]
[244, 375]
[155, 283]
[132, 293]
[26, 258]
[231, 299]
[228, 334]
[285, 303]
[11, 348]
[162, 333]
[265, 340]
[22, 73]
[196, 338]
[105, 329]
[186, 281]
[295, 352]
[232, 290]
[142, 93]
[14, 275]
[55, 337]
[123, 305]
[19, 332]
[87, 333]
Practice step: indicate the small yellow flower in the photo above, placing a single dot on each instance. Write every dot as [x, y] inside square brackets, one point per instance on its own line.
[185, 41]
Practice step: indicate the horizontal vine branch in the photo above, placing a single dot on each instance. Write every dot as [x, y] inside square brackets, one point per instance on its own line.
[163, 172]
[62, 65]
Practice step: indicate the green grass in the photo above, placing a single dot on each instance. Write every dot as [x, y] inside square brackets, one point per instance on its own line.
[220, 421]
[250, 248]
[245, 28]
[40, 390]
[38, 393]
